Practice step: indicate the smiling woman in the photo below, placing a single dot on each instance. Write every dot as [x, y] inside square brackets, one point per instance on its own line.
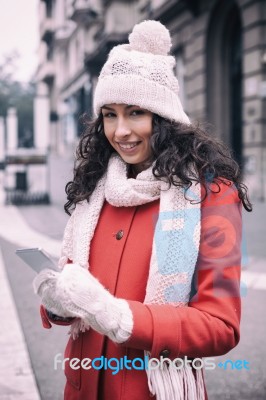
[151, 262]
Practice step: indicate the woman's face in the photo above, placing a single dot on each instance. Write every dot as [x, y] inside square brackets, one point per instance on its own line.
[128, 129]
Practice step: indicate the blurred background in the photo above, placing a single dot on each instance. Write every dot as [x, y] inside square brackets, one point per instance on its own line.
[51, 52]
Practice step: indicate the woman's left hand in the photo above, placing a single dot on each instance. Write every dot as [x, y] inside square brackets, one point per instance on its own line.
[45, 285]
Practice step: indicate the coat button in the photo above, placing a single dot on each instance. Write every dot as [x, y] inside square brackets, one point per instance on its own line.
[119, 234]
[165, 353]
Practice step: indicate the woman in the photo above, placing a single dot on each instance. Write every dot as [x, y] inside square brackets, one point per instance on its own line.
[151, 253]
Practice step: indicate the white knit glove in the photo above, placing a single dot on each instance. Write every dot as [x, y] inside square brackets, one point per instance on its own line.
[45, 285]
[76, 293]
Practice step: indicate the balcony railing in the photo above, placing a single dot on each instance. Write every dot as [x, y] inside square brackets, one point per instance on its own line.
[84, 11]
[47, 29]
[63, 33]
[46, 71]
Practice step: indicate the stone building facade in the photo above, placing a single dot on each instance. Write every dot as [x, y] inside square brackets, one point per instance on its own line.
[220, 51]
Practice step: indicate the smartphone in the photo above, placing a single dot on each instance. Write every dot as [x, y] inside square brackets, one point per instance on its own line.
[37, 259]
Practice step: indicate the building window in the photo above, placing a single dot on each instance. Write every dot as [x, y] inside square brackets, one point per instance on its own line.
[180, 73]
[50, 53]
[49, 8]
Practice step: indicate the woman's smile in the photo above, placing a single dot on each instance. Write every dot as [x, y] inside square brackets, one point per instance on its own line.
[128, 147]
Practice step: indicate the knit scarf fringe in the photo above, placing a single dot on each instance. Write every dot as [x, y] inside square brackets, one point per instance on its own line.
[169, 383]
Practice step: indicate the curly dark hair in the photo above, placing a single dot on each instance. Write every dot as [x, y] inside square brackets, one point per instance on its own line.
[179, 150]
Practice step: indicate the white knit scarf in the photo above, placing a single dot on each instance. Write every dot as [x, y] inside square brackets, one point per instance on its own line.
[174, 253]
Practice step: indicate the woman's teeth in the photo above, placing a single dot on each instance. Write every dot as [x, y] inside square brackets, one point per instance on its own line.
[128, 146]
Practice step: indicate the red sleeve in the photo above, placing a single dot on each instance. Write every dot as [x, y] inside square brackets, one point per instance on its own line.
[209, 326]
[45, 319]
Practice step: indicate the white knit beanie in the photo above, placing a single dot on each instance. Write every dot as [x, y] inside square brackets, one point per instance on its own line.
[141, 73]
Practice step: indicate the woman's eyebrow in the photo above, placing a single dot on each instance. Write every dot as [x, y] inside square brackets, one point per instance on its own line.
[108, 108]
[111, 109]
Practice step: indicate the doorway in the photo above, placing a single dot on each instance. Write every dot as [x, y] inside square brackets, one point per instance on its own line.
[224, 74]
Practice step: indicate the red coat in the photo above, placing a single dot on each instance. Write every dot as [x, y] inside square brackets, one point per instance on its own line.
[208, 327]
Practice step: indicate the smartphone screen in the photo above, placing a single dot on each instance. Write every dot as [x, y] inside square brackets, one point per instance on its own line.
[37, 259]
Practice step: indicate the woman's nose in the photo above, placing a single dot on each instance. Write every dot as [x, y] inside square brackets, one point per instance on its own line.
[122, 128]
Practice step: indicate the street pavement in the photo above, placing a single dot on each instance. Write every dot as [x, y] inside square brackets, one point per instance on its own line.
[28, 350]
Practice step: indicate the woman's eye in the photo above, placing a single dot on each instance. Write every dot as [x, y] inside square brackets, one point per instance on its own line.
[137, 112]
[109, 115]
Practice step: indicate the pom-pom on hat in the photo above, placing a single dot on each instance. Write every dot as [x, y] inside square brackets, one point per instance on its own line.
[151, 37]
[141, 73]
